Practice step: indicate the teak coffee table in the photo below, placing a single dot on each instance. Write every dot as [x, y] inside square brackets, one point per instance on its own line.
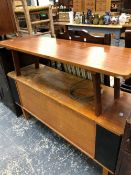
[44, 93]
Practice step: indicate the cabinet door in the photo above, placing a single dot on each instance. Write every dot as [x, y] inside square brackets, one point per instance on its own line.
[7, 21]
[103, 5]
[77, 5]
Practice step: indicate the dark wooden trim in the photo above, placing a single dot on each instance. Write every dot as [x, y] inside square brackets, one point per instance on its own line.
[116, 88]
[16, 62]
[97, 93]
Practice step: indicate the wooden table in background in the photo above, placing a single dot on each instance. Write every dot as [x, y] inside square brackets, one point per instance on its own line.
[105, 29]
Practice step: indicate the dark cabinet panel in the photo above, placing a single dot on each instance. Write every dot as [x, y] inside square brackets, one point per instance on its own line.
[107, 148]
[6, 65]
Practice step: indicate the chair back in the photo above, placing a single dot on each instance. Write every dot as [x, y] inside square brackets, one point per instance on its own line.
[84, 36]
[62, 34]
[126, 86]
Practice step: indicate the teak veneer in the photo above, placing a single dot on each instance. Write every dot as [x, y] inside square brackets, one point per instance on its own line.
[56, 85]
[109, 60]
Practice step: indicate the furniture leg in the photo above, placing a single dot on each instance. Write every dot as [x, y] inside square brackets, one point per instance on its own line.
[107, 80]
[37, 63]
[26, 114]
[105, 171]
[16, 62]
[116, 88]
[97, 93]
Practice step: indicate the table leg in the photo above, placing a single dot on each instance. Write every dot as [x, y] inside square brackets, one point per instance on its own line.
[26, 114]
[16, 62]
[37, 63]
[116, 88]
[97, 93]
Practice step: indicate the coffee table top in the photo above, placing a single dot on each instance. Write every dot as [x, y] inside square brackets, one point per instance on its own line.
[110, 60]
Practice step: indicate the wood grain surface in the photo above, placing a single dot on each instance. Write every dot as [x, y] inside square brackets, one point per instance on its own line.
[56, 85]
[110, 60]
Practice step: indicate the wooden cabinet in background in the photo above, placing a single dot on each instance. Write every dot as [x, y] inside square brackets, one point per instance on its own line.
[103, 5]
[89, 4]
[7, 21]
[78, 6]
[94, 5]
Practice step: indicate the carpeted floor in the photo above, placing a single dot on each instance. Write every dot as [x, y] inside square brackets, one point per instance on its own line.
[30, 148]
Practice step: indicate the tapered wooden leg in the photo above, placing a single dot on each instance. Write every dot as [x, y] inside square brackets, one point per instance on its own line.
[105, 171]
[16, 62]
[116, 88]
[37, 63]
[97, 93]
[26, 114]
[106, 80]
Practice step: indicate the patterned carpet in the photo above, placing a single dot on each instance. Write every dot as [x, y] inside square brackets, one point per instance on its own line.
[30, 148]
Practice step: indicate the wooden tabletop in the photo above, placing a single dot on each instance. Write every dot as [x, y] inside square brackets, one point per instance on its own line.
[110, 60]
[117, 26]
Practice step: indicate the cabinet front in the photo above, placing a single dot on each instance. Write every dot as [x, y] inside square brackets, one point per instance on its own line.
[75, 128]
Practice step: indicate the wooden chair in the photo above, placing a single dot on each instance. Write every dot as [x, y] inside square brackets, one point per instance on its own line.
[126, 86]
[62, 35]
[84, 36]
[21, 8]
